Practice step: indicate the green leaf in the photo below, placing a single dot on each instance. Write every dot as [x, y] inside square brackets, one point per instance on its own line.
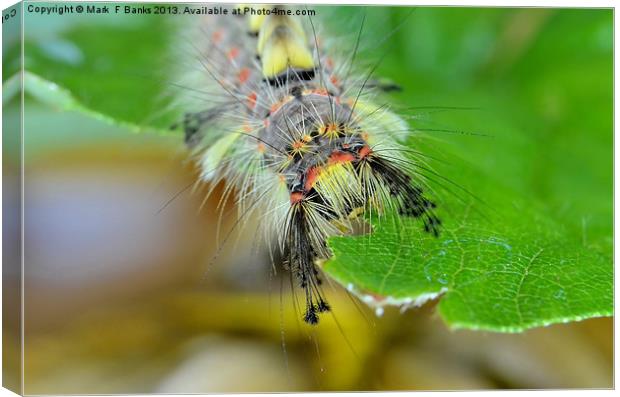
[59, 98]
[113, 65]
[506, 274]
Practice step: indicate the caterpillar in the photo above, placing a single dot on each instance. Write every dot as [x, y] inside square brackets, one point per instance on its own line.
[296, 138]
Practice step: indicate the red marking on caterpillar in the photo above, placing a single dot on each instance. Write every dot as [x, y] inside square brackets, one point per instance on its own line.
[296, 197]
[252, 100]
[274, 108]
[243, 75]
[233, 53]
[364, 151]
[311, 177]
[216, 37]
[338, 157]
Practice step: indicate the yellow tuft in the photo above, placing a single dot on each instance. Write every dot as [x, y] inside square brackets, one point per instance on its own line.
[372, 119]
[282, 43]
[339, 185]
[256, 22]
[270, 24]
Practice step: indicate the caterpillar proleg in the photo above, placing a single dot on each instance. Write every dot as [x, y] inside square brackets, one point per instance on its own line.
[298, 138]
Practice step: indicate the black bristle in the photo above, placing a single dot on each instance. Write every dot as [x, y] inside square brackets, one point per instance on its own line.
[410, 198]
[323, 306]
[311, 317]
[301, 257]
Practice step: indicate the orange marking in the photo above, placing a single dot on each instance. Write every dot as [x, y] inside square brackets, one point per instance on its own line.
[329, 62]
[296, 197]
[334, 80]
[252, 99]
[321, 91]
[261, 147]
[244, 74]
[246, 127]
[311, 177]
[365, 151]
[233, 53]
[216, 37]
[332, 130]
[274, 108]
[338, 157]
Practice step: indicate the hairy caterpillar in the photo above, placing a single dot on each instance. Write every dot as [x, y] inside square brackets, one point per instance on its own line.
[297, 138]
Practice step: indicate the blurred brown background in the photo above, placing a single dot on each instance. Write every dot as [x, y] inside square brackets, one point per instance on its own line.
[118, 301]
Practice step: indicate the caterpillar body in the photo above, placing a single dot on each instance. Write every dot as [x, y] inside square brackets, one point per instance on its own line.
[297, 139]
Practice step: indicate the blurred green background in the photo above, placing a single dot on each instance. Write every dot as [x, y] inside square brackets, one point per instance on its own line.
[116, 301]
